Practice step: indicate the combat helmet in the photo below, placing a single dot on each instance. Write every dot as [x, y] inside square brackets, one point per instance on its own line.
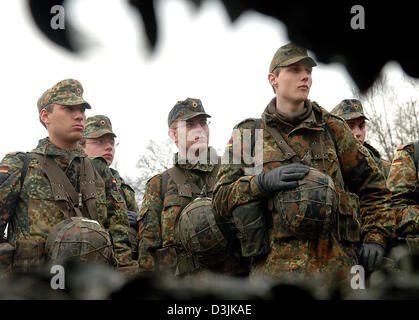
[81, 239]
[201, 232]
[310, 207]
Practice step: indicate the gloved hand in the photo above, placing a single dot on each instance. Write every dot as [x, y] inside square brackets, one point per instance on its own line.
[132, 218]
[283, 177]
[370, 255]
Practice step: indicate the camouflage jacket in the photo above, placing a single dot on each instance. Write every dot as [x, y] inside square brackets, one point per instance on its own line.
[403, 182]
[383, 165]
[127, 192]
[35, 212]
[158, 214]
[339, 155]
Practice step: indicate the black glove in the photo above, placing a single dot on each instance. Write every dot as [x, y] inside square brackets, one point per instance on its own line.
[370, 255]
[132, 219]
[283, 177]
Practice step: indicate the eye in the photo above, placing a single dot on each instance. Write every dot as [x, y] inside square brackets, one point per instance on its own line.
[189, 124]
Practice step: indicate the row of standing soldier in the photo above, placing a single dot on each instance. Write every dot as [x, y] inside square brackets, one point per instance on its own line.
[319, 206]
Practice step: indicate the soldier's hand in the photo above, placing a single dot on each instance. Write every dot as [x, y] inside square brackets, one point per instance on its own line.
[370, 255]
[283, 177]
[132, 218]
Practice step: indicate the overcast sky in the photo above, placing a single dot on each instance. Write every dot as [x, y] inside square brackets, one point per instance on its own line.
[199, 55]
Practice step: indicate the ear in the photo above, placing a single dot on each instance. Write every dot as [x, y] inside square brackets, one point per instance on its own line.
[273, 80]
[173, 135]
[44, 116]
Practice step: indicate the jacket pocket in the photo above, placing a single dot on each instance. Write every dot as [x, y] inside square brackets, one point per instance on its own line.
[348, 223]
[29, 253]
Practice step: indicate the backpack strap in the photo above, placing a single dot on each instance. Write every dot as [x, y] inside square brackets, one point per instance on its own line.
[62, 189]
[25, 167]
[164, 179]
[185, 189]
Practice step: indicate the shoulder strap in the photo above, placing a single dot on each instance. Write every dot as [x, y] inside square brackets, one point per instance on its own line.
[25, 168]
[213, 175]
[282, 144]
[61, 186]
[164, 184]
[416, 154]
[179, 177]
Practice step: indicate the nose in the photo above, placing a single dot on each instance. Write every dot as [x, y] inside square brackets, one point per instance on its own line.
[78, 114]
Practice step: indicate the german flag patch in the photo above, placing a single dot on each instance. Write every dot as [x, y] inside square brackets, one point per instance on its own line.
[4, 169]
[397, 161]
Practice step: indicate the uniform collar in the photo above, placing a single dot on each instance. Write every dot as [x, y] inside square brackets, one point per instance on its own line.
[46, 147]
[271, 115]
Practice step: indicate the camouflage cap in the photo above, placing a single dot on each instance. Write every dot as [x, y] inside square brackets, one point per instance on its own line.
[97, 126]
[349, 109]
[68, 92]
[186, 109]
[289, 54]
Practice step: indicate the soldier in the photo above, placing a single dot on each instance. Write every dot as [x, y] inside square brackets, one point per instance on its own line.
[298, 238]
[56, 180]
[99, 141]
[169, 192]
[352, 112]
[403, 182]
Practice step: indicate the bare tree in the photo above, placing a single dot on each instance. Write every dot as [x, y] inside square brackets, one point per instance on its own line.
[156, 158]
[393, 114]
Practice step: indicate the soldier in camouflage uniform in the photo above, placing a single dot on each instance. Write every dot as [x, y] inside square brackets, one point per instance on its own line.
[99, 141]
[166, 195]
[299, 134]
[352, 112]
[55, 181]
[403, 182]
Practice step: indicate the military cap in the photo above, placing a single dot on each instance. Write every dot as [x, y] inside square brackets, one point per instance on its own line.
[349, 109]
[97, 126]
[186, 109]
[289, 54]
[68, 92]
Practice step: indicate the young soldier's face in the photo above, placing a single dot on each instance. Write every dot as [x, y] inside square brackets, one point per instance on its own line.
[358, 128]
[103, 146]
[65, 123]
[293, 82]
[192, 133]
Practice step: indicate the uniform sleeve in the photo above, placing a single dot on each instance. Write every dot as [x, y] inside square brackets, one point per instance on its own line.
[117, 220]
[363, 177]
[149, 224]
[129, 195]
[236, 184]
[403, 184]
[10, 171]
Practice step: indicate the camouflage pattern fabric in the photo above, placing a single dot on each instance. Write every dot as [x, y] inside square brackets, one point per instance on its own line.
[289, 54]
[129, 196]
[68, 92]
[186, 109]
[382, 164]
[349, 109]
[331, 254]
[157, 219]
[97, 126]
[37, 212]
[403, 182]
